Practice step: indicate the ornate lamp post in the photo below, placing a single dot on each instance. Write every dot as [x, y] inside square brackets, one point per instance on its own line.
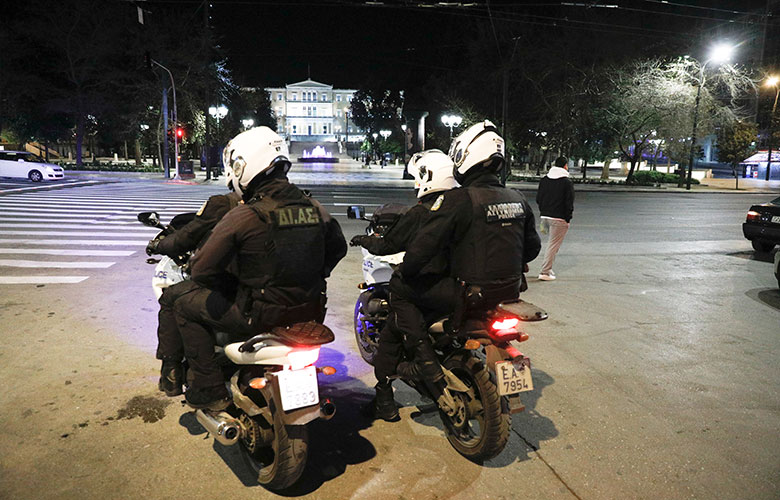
[451, 121]
[719, 54]
[403, 129]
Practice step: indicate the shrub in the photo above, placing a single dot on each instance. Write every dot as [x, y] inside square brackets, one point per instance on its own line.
[651, 177]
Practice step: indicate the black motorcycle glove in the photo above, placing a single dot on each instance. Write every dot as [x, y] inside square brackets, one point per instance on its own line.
[357, 241]
[151, 248]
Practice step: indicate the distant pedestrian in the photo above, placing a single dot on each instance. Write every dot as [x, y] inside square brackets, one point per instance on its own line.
[555, 198]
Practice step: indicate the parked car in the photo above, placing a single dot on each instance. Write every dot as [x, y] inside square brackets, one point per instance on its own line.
[762, 226]
[21, 164]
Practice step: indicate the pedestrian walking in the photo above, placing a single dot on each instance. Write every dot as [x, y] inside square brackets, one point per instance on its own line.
[555, 198]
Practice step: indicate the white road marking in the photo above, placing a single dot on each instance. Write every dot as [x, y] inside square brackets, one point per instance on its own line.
[96, 226]
[97, 234]
[44, 186]
[30, 241]
[60, 251]
[40, 280]
[57, 265]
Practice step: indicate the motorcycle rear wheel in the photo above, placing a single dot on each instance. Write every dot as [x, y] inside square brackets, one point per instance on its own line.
[279, 465]
[480, 429]
[367, 349]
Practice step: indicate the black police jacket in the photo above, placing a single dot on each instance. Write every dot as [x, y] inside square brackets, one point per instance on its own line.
[194, 232]
[281, 245]
[398, 237]
[487, 230]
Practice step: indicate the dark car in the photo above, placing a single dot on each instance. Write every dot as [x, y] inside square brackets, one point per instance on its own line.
[762, 226]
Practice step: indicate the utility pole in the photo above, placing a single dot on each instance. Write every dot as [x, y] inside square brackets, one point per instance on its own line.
[166, 164]
[206, 140]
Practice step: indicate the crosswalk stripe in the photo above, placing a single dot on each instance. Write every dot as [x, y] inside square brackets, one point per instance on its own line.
[40, 280]
[43, 225]
[30, 241]
[98, 234]
[62, 251]
[56, 265]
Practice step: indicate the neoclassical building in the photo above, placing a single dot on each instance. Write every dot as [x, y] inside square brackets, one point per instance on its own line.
[310, 111]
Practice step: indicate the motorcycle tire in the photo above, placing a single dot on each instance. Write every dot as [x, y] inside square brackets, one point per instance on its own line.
[279, 465]
[480, 430]
[367, 349]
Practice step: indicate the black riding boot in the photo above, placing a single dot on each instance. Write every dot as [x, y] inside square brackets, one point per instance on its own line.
[383, 405]
[171, 378]
[424, 367]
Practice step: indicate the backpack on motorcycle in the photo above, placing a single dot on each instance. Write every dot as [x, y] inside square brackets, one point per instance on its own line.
[385, 217]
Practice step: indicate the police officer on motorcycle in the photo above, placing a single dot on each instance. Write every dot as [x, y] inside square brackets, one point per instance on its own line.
[264, 264]
[170, 349]
[488, 232]
[432, 170]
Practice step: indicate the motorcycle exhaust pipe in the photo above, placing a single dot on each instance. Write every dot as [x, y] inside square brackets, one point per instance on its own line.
[327, 409]
[222, 426]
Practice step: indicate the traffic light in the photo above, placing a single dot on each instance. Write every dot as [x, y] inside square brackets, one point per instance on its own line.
[180, 133]
[170, 134]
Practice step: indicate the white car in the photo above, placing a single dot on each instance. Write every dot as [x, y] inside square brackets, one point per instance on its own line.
[21, 164]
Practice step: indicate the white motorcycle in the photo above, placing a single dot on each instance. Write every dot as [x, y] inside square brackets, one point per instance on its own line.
[273, 381]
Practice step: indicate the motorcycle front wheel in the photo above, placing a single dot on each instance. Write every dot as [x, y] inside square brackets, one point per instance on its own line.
[480, 428]
[367, 348]
[275, 452]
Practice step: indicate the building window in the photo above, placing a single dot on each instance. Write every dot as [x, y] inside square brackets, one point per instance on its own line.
[295, 96]
[279, 96]
[314, 110]
[324, 96]
[325, 129]
[338, 98]
[349, 98]
[295, 129]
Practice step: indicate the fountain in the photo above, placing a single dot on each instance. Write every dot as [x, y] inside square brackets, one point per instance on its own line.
[318, 155]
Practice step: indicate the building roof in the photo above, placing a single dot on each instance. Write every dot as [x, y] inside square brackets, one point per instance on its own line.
[308, 83]
[761, 156]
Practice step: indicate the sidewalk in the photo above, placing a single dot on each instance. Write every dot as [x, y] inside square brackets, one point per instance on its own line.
[349, 172]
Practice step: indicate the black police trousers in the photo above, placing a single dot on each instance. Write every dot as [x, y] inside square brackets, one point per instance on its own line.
[413, 304]
[189, 314]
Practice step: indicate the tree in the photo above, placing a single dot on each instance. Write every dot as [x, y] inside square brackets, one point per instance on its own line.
[735, 143]
[374, 109]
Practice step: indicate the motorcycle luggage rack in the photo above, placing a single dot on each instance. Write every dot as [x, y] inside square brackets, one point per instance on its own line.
[309, 333]
[523, 310]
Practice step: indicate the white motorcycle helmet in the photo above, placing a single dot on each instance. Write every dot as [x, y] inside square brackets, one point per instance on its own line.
[478, 147]
[257, 151]
[432, 171]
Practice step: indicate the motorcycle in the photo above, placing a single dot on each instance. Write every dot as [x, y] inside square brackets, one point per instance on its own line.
[273, 380]
[484, 373]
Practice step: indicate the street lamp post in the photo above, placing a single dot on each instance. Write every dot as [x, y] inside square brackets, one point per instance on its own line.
[374, 135]
[451, 121]
[217, 112]
[346, 129]
[385, 134]
[772, 81]
[403, 129]
[720, 53]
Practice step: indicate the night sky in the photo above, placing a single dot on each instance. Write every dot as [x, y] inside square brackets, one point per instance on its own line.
[349, 43]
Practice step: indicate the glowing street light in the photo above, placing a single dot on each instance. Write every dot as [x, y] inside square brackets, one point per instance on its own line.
[720, 53]
[247, 123]
[385, 134]
[451, 121]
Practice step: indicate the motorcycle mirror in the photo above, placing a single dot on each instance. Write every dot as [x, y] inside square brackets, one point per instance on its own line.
[356, 212]
[151, 219]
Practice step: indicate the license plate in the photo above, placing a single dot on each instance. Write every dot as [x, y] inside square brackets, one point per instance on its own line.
[298, 387]
[514, 377]
[776, 219]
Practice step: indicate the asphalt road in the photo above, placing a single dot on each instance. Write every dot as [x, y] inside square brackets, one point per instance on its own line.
[656, 376]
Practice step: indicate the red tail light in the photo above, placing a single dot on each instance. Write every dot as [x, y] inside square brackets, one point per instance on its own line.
[504, 324]
[752, 215]
[301, 358]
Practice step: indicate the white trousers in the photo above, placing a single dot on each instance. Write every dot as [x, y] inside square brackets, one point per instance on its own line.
[557, 229]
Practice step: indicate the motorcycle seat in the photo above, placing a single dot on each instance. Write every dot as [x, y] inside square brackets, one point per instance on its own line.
[309, 333]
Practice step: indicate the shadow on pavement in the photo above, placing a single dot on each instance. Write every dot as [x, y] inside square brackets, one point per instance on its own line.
[766, 296]
[333, 444]
[758, 256]
[529, 425]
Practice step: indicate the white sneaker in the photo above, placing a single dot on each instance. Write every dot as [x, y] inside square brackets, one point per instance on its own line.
[546, 277]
